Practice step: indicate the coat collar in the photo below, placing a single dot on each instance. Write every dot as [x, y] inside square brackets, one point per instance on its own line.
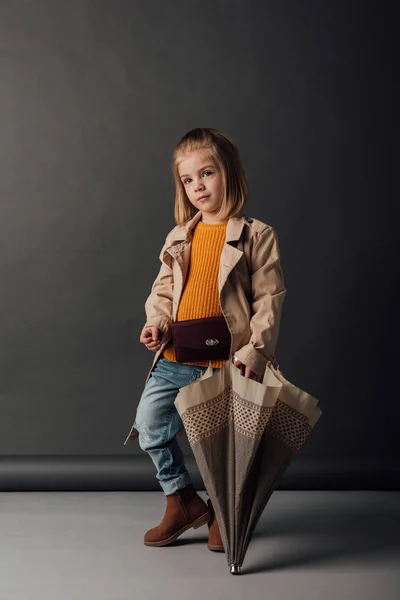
[179, 247]
[184, 232]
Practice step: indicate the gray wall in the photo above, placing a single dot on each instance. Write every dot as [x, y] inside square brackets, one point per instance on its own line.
[94, 95]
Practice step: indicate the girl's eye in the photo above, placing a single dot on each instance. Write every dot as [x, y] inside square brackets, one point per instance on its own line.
[188, 178]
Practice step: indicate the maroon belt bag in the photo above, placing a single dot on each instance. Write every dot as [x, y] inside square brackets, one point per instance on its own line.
[201, 339]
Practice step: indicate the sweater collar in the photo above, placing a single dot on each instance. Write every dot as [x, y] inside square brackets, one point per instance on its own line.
[184, 232]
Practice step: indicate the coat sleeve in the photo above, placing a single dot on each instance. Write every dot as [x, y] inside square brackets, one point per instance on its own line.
[268, 294]
[158, 306]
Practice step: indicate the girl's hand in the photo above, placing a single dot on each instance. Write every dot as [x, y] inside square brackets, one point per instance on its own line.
[247, 372]
[151, 338]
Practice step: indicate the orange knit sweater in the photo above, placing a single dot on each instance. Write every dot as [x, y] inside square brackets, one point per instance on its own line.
[200, 297]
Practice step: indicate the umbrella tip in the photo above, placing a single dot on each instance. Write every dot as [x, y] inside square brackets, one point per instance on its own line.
[235, 569]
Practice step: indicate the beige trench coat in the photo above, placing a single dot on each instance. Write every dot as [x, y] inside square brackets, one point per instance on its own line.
[250, 284]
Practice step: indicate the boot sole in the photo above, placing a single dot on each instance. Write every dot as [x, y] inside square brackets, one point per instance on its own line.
[216, 548]
[199, 522]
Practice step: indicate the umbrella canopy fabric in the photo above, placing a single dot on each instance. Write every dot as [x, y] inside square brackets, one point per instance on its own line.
[244, 434]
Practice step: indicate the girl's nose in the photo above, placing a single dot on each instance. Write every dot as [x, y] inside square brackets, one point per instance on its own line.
[199, 186]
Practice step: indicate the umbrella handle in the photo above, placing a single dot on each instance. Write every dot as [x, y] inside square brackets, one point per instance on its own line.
[272, 360]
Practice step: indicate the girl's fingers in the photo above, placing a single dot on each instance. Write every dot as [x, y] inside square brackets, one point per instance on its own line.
[245, 371]
[240, 366]
[153, 345]
[251, 375]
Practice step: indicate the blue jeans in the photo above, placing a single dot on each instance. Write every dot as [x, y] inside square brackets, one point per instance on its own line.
[158, 421]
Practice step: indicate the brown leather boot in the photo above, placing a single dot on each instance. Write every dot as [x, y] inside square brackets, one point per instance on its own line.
[214, 536]
[185, 509]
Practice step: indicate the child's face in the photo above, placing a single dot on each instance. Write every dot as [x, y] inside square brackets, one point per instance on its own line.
[200, 177]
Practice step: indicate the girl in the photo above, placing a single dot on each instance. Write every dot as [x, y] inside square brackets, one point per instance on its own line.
[214, 262]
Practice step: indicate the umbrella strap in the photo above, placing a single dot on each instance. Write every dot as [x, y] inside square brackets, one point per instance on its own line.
[272, 360]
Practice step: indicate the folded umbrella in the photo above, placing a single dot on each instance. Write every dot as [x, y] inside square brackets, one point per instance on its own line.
[243, 434]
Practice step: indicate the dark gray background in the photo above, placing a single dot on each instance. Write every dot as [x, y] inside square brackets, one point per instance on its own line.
[94, 95]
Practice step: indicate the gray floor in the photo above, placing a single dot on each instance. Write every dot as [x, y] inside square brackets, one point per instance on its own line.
[89, 545]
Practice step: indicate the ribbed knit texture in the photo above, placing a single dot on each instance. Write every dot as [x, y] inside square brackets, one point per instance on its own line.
[200, 297]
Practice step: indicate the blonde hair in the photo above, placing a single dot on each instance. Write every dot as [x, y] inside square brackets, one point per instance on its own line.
[218, 148]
